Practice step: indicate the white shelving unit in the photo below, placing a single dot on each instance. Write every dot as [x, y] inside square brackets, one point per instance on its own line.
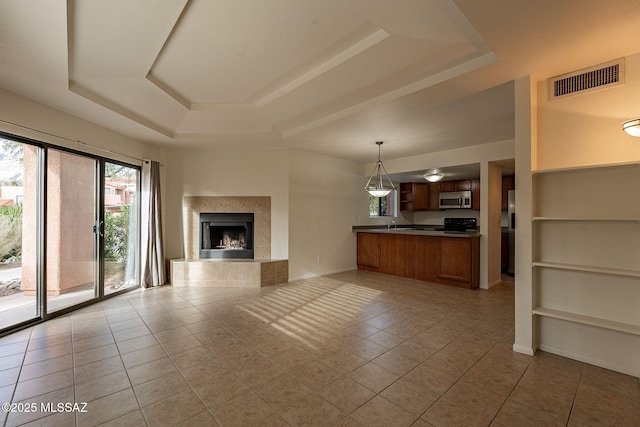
[586, 266]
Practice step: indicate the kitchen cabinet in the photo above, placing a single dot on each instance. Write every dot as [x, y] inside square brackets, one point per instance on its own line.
[434, 196]
[397, 252]
[427, 259]
[369, 250]
[414, 196]
[458, 260]
[475, 194]
[453, 261]
[462, 185]
[586, 266]
[445, 186]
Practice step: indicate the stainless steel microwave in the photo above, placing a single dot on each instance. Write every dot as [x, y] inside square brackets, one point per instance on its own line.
[455, 200]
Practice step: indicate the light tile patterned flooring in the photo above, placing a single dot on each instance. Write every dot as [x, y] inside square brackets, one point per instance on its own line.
[348, 349]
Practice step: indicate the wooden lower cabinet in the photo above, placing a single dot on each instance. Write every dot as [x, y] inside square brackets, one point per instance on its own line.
[451, 261]
[397, 252]
[368, 251]
[459, 262]
[427, 258]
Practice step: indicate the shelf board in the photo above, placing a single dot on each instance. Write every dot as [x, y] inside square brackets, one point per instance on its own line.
[566, 218]
[582, 168]
[588, 268]
[588, 320]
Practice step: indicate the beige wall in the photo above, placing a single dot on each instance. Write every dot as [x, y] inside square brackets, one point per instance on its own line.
[586, 129]
[326, 196]
[27, 113]
[227, 172]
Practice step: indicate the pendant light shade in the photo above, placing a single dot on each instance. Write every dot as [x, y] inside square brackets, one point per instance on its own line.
[632, 127]
[379, 185]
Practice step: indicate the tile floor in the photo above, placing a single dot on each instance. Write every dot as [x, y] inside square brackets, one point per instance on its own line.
[348, 349]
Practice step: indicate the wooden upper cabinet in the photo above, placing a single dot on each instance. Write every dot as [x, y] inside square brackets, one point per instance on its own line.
[434, 196]
[459, 185]
[447, 186]
[475, 194]
[406, 196]
[414, 196]
[463, 185]
[420, 196]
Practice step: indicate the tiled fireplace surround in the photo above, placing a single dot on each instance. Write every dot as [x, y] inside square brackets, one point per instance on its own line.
[261, 271]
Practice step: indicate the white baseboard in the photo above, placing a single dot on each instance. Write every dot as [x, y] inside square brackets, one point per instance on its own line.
[591, 361]
[529, 351]
[324, 273]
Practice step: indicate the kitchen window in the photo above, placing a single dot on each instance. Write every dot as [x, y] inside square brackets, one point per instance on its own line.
[383, 206]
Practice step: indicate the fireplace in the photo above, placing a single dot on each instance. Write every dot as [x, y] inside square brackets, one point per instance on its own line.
[226, 235]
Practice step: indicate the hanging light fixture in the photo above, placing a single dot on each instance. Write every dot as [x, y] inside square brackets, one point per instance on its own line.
[632, 127]
[434, 176]
[376, 185]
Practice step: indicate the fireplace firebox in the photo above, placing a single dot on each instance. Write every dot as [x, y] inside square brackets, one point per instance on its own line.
[226, 235]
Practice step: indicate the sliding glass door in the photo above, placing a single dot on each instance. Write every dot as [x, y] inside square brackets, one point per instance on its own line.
[120, 227]
[19, 220]
[73, 229]
[69, 226]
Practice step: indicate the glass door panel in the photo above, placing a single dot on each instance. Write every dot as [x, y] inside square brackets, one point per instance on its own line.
[120, 227]
[73, 230]
[18, 232]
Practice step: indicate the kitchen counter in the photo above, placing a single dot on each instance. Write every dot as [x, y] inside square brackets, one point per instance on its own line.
[424, 253]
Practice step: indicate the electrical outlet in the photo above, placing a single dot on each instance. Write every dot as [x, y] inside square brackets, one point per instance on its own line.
[319, 259]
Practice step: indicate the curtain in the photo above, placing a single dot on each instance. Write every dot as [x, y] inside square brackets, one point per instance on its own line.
[152, 256]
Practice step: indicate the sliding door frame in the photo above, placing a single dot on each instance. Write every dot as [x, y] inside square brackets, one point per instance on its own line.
[41, 231]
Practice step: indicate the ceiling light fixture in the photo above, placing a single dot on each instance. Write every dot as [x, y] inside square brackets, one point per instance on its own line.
[434, 176]
[632, 127]
[376, 185]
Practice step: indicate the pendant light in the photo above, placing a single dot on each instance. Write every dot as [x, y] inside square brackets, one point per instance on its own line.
[632, 127]
[376, 185]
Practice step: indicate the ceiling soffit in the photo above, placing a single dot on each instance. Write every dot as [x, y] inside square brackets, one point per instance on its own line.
[197, 69]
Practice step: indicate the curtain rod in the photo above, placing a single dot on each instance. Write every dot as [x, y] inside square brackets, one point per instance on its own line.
[75, 141]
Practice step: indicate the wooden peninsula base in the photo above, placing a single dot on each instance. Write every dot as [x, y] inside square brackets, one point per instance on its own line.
[434, 257]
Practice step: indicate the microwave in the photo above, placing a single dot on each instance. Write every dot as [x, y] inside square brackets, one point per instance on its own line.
[455, 200]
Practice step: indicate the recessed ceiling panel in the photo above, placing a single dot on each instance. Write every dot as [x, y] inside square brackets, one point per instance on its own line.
[227, 51]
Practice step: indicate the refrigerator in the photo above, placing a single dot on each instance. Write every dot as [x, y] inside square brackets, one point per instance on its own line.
[511, 232]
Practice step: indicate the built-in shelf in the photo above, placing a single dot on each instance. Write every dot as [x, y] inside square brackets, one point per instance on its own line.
[564, 218]
[586, 225]
[588, 320]
[583, 168]
[588, 268]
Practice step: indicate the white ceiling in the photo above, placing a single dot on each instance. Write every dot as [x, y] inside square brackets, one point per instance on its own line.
[330, 76]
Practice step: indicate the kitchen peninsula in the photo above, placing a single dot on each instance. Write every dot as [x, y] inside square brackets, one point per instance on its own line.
[424, 253]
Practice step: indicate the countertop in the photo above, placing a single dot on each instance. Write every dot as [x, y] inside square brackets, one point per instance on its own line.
[420, 230]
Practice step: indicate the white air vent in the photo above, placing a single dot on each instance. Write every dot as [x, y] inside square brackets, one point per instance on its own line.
[588, 79]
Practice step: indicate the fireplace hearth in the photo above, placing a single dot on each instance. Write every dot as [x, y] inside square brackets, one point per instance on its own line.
[226, 235]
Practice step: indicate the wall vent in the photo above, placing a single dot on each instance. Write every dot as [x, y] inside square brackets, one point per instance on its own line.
[597, 77]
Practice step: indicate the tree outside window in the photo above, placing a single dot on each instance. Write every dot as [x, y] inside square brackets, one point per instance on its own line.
[383, 206]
